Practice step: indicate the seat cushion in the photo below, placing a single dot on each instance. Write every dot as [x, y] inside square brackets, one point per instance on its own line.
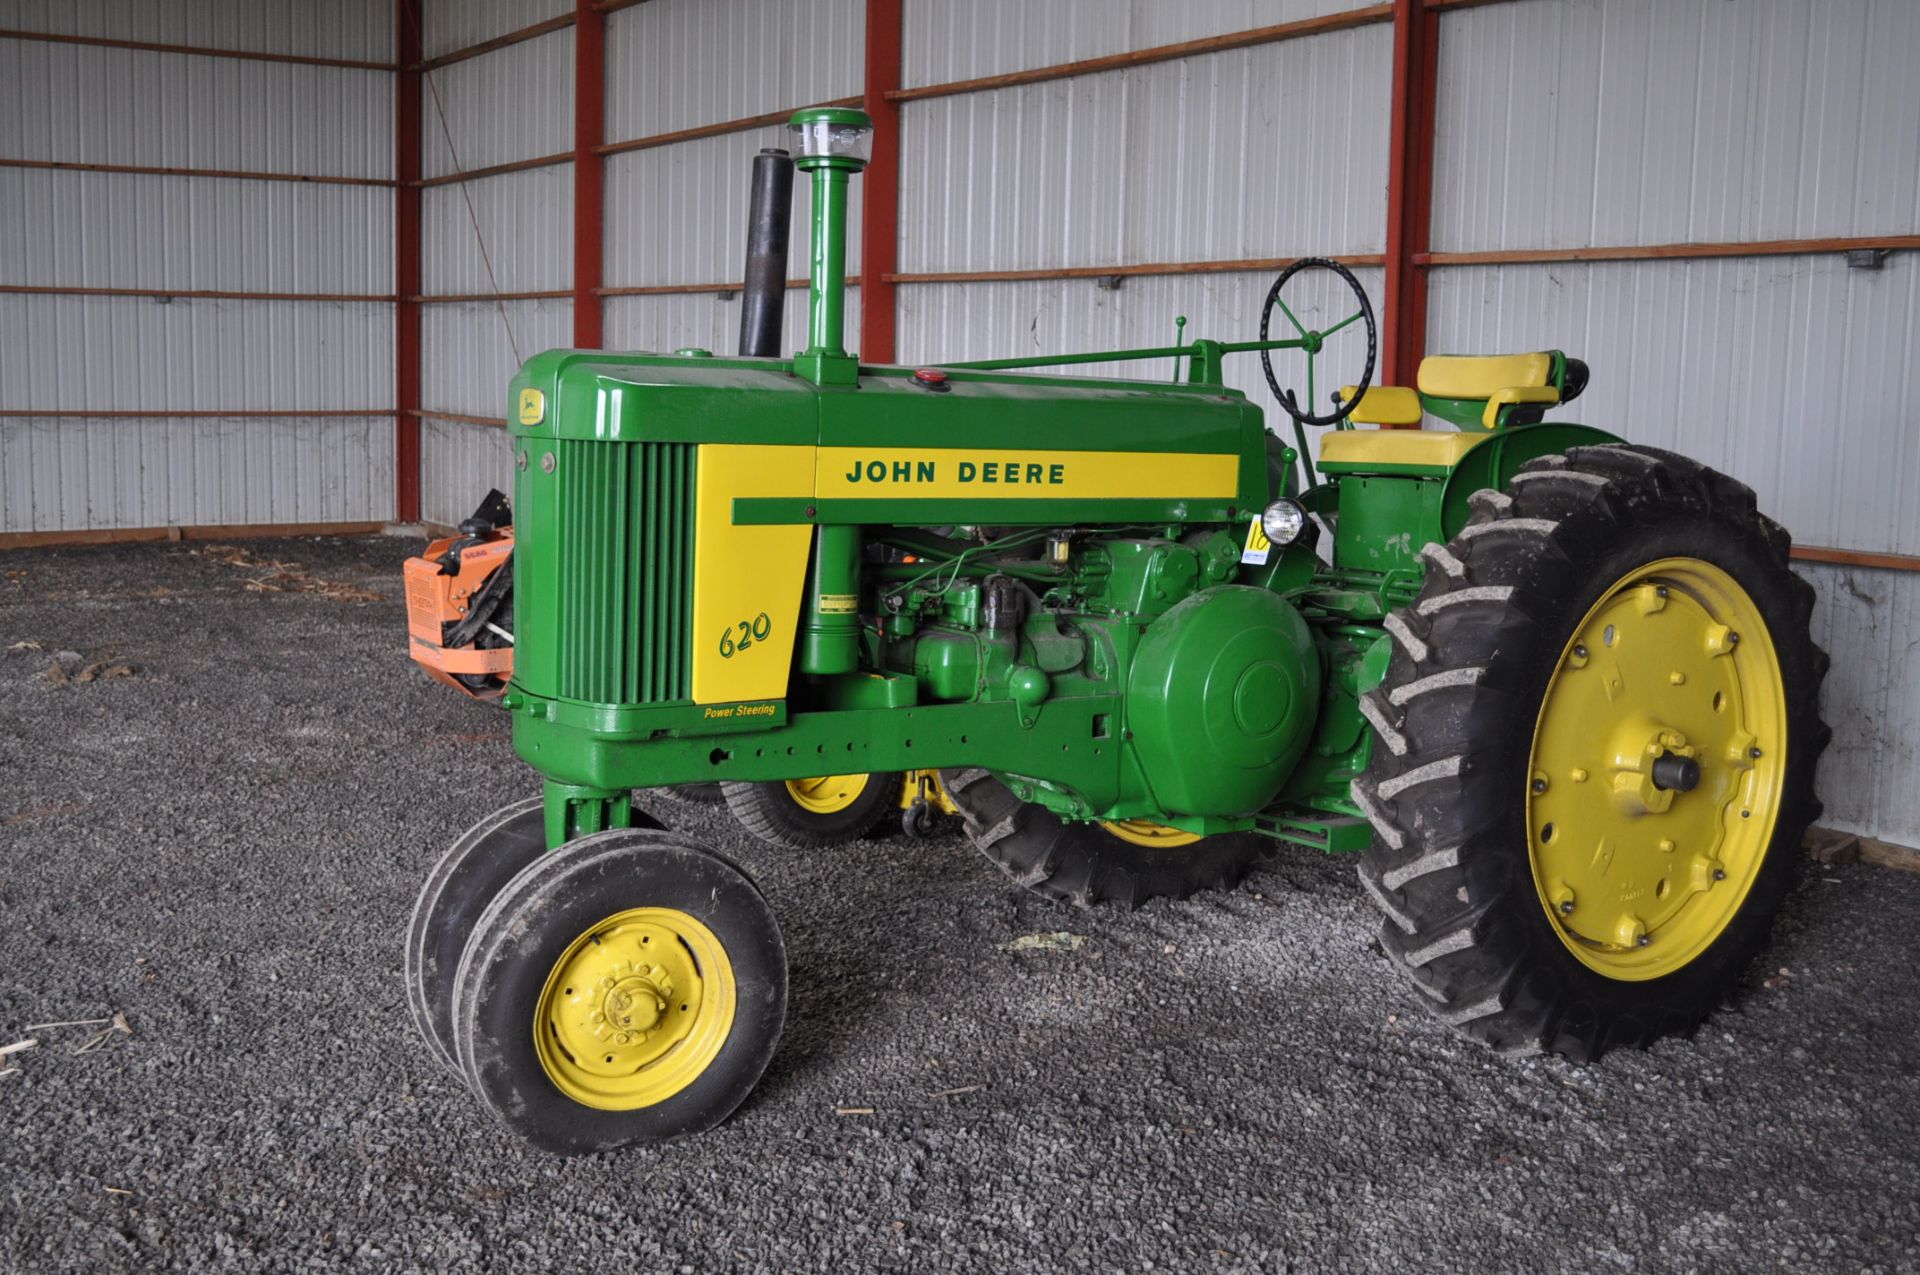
[1385, 405]
[1482, 375]
[1395, 450]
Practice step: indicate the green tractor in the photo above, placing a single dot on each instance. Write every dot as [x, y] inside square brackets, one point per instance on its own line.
[1556, 692]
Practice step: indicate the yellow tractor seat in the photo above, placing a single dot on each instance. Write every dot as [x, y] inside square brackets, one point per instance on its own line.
[1482, 375]
[1385, 405]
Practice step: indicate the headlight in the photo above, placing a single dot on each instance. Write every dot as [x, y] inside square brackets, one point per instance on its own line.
[1283, 521]
[833, 133]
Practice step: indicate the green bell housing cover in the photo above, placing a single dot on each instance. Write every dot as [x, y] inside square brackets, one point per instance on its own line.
[1222, 698]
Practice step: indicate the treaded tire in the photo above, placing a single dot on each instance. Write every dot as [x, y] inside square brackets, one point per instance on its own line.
[1082, 863]
[1450, 865]
[531, 923]
[700, 794]
[482, 860]
[770, 813]
[477, 867]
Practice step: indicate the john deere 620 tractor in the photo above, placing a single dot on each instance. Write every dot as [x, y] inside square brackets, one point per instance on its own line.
[1554, 690]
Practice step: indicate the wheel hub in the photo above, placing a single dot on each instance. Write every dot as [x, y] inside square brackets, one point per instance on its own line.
[827, 794]
[634, 1009]
[1656, 769]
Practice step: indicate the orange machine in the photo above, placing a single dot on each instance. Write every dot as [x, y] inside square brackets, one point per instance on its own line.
[460, 604]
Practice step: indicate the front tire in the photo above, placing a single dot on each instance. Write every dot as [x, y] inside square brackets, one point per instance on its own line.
[1594, 754]
[476, 868]
[1087, 863]
[628, 987]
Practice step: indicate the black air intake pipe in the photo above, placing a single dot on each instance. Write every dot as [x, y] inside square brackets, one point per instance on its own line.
[769, 216]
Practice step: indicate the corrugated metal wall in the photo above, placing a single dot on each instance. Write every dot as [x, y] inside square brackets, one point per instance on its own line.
[509, 232]
[1275, 151]
[676, 213]
[1637, 122]
[103, 230]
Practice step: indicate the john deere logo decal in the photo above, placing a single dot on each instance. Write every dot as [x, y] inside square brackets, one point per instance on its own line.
[533, 406]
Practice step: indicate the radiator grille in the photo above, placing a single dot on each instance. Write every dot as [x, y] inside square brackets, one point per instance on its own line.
[626, 571]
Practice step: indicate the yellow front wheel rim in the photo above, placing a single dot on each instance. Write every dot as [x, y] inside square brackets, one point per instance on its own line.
[828, 794]
[1145, 832]
[1673, 664]
[635, 1009]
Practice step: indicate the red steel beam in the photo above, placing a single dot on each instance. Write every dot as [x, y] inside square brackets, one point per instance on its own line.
[139, 535]
[1345, 20]
[188, 294]
[148, 46]
[1671, 251]
[1416, 47]
[406, 261]
[559, 22]
[150, 170]
[589, 171]
[880, 221]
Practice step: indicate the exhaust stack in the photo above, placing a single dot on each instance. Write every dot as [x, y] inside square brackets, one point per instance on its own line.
[769, 219]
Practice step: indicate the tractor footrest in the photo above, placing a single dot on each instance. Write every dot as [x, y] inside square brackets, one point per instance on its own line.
[1333, 834]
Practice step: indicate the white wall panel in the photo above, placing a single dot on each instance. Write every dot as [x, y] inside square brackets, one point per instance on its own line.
[1794, 374]
[92, 105]
[666, 323]
[457, 24]
[1265, 152]
[674, 64]
[459, 465]
[360, 30]
[1665, 121]
[1867, 620]
[678, 214]
[142, 354]
[469, 357]
[951, 322]
[947, 40]
[511, 104]
[78, 229]
[79, 474]
[525, 221]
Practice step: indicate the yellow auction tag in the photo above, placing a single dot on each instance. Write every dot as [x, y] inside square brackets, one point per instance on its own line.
[1254, 552]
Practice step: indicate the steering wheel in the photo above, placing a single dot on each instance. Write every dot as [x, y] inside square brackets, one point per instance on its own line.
[1313, 341]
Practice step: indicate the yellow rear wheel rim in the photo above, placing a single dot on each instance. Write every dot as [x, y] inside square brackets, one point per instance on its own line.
[1145, 832]
[828, 794]
[1673, 661]
[635, 1009]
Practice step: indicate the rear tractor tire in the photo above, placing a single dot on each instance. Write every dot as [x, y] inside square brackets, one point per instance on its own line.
[806, 814]
[1594, 754]
[1087, 863]
[628, 987]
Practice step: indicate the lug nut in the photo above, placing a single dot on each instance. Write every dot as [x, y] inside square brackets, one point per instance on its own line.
[1580, 652]
[1660, 590]
[1643, 940]
[1719, 874]
[1566, 909]
[1754, 753]
[1539, 785]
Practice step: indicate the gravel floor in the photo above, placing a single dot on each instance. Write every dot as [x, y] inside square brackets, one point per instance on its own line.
[224, 846]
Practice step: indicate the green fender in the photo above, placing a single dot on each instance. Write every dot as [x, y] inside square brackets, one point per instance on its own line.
[1495, 462]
